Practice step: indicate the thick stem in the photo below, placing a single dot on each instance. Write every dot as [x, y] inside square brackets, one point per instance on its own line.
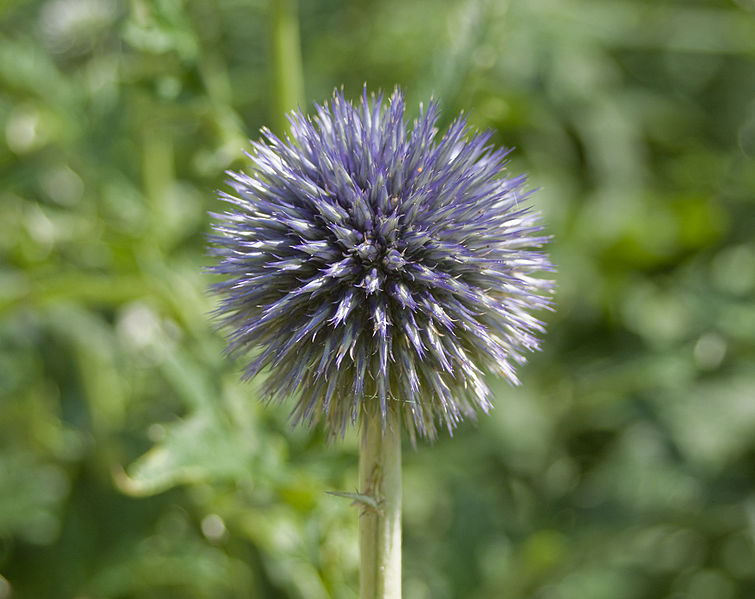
[380, 526]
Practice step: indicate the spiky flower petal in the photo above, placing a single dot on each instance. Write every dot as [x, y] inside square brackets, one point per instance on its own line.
[372, 268]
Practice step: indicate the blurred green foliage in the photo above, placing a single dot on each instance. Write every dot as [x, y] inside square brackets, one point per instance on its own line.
[134, 465]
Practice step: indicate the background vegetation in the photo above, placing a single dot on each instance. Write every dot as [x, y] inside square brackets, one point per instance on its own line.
[133, 465]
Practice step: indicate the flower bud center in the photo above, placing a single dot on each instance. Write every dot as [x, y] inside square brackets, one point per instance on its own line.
[367, 250]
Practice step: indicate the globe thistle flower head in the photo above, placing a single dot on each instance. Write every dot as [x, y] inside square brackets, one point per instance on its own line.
[370, 267]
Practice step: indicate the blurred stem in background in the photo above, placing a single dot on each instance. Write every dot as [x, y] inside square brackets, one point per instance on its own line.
[288, 80]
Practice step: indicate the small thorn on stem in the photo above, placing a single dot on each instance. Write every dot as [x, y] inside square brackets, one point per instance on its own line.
[366, 501]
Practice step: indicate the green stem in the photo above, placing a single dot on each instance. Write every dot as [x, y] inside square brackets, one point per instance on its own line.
[380, 529]
[288, 85]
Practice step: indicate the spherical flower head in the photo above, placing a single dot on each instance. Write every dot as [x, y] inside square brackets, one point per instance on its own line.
[372, 268]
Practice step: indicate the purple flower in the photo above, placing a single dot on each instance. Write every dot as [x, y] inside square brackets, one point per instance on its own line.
[370, 268]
